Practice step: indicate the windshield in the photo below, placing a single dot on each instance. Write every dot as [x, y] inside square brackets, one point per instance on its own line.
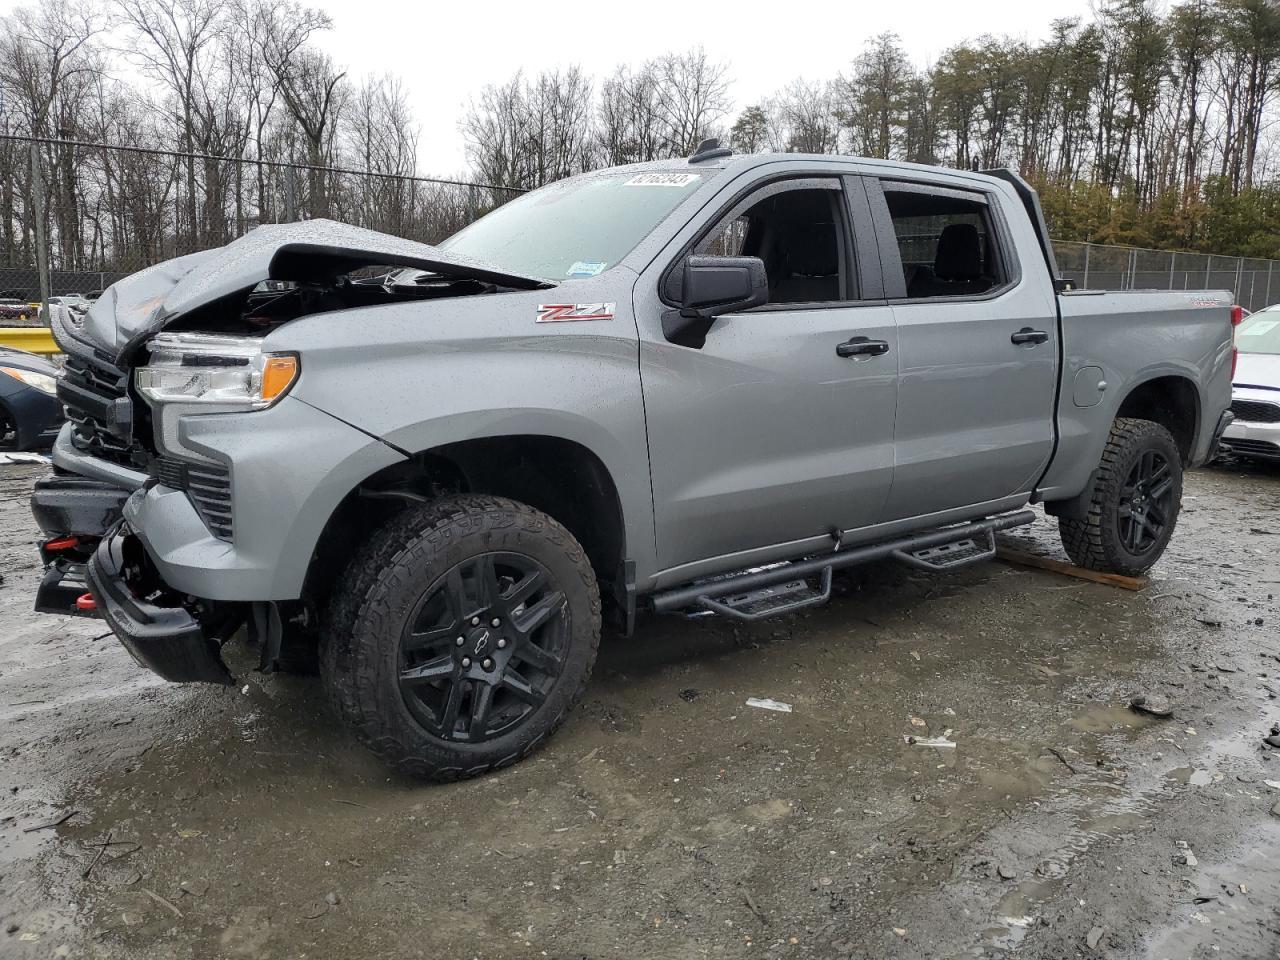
[575, 228]
[1260, 333]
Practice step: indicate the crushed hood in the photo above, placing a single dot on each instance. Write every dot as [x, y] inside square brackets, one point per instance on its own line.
[313, 250]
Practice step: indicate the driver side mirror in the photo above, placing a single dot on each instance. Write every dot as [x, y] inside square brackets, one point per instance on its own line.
[717, 285]
[713, 286]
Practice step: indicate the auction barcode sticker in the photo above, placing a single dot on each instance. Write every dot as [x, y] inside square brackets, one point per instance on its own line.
[662, 180]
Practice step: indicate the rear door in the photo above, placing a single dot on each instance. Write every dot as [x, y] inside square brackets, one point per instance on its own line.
[771, 432]
[978, 351]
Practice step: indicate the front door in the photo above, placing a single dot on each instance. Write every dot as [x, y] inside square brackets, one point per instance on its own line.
[779, 428]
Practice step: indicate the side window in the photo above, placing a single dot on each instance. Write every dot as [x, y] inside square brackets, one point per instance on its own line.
[947, 242]
[798, 233]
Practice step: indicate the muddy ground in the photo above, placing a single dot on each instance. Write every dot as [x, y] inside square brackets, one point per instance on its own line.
[667, 818]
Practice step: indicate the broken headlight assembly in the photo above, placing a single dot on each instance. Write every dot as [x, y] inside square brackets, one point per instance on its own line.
[214, 373]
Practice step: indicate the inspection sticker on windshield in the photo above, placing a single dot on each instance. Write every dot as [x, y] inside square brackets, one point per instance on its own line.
[662, 179]
[585, 268]
[562, 312]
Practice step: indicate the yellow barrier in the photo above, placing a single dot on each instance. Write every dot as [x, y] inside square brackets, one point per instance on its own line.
[31, 339]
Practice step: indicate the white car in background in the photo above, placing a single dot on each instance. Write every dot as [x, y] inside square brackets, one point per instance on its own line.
[1255, 391]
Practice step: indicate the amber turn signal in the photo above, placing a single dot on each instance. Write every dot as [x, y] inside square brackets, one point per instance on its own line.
[278, 374]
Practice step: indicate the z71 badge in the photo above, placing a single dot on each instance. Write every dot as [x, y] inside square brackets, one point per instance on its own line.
[561, 312]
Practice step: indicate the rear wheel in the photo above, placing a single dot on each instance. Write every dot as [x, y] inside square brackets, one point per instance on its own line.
[1134, 503]
[461, 635]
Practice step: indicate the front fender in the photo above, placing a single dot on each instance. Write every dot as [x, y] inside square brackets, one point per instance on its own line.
[290, 468]
[419, 376]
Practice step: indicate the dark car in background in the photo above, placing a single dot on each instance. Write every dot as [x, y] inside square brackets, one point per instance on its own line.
[30, 412]
[14, 309]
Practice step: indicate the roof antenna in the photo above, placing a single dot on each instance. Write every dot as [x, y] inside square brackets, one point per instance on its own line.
[710, 149]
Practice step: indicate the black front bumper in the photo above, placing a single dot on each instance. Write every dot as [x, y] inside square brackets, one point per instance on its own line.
[166, 639]
[109, 563]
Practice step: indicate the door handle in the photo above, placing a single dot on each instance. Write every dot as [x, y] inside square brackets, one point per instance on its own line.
[862, 347]
[1028, 337]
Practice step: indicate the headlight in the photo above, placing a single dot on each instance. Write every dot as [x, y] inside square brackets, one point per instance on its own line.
[231, 372]
[41, 381]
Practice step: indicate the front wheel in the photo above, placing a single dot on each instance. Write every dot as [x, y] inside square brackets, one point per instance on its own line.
[461, 635]
[1134, 502]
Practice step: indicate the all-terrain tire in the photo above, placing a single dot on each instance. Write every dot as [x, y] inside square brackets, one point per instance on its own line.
[381, 588]
[1096, 542]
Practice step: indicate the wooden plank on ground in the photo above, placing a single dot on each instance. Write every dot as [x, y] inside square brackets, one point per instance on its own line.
[1069, 569]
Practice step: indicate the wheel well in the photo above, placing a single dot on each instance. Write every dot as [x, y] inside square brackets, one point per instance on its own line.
[563, 479]
[1171, 402]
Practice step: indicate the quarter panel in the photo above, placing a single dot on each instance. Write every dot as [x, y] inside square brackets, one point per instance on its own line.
[1136, 336]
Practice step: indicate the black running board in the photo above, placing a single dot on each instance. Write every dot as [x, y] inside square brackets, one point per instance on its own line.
[752, 595]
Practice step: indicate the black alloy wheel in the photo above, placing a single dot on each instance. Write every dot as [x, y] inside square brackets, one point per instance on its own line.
[460, 635]
[1131, 507]
[1145, 501]
[484, 647]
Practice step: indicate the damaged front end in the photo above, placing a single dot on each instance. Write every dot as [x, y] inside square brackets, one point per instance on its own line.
[180, 638]
[103, 571]
[162, 353]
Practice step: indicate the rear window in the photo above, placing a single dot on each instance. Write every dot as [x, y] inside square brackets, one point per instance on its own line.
[1260, 333]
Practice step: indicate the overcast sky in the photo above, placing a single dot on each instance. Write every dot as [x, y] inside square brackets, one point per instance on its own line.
[446, 52]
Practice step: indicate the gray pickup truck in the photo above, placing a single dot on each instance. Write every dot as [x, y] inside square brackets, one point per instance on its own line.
[698, 385]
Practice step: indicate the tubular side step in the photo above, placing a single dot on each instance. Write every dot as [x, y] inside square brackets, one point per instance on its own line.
[745, 595]
[771, 601]
[949, 556]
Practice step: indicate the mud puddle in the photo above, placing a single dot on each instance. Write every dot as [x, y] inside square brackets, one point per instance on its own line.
[668, 818]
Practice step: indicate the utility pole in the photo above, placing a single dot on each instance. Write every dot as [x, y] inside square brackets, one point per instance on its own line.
[42, 239]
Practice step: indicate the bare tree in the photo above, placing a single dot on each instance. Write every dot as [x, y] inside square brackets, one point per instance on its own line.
[310, 88]
[40, 48]
[805, 118]
[268, 33]
[630, 129]
[172, 43]
[691, 98]
[496, 130]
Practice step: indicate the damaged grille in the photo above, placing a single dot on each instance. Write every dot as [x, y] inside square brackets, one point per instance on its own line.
[97, 403]
[1256, 411]
[207, 486]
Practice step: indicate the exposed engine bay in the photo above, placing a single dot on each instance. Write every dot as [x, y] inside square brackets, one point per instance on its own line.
[275, 302]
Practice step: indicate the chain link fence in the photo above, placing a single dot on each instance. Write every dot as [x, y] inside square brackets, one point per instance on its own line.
[75, 217]
[1255, 283]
